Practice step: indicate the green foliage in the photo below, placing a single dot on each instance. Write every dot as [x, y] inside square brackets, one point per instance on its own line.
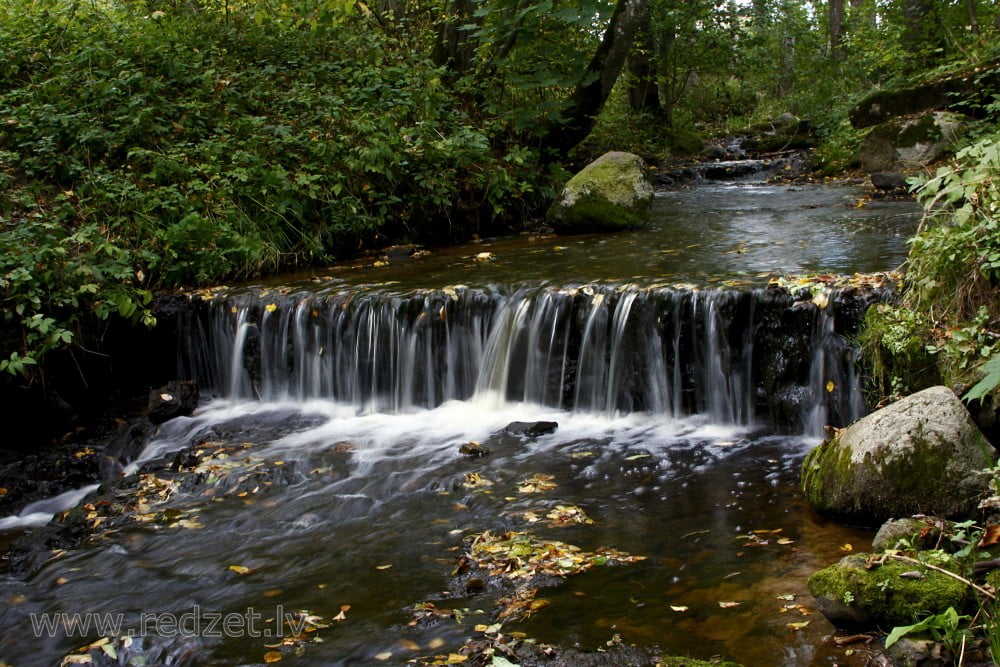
[944, 628]
[990, 381]
[139, 152]
[947, 326]
[894, 347]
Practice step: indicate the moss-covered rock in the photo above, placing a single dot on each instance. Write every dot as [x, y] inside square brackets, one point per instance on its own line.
[883, 594]
[611, 193]
[922, 454]
[910, 142]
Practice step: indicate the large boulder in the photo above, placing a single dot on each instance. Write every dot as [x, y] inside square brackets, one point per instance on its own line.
[922, 454]
[867, 590]
[912, 142]
[611, 193]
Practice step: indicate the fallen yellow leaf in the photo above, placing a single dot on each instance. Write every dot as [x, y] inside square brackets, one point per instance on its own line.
[239, 569]
[272, 656]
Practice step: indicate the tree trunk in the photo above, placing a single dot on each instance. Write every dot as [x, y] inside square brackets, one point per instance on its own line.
[643, 90]
[453, 48]
[837, 29]
[596, 83]
[970, 5]
[864, 11]
[919, 39]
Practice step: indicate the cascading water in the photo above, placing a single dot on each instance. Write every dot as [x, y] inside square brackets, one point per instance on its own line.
[328, 472]
[607, 349]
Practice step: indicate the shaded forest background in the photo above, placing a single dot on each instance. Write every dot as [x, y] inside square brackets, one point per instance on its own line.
[150, 145]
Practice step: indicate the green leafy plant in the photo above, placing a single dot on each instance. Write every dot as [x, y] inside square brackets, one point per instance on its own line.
[944, 628]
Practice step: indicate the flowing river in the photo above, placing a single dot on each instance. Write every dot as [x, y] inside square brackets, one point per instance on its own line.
[366, 429]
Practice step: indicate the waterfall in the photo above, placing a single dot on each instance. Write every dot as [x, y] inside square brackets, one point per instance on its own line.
[606, 349]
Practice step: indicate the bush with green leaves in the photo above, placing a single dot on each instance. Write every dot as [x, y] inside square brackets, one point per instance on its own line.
[951, 305]
[141, 151]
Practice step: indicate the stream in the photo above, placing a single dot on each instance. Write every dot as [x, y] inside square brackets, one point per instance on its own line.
[358, 434]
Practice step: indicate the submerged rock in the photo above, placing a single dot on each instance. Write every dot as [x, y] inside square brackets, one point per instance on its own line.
[866, 590]
[178, 398]
[611, 193]
[922, 454]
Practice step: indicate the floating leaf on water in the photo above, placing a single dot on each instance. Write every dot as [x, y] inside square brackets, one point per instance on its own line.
[568, 515]
[582, 455]
[729, 605]
[785, 541]
[473, 480]
[380, 263]
[538, 483]
[435, 643]
[239, 569]
[272, 656]
[679, 607]
[787, 598]
[794, 627]
[485, 257]
[382, 567]
[847, 547]
[636, 457]
[77, 660]
[271, 307]
[383, 656]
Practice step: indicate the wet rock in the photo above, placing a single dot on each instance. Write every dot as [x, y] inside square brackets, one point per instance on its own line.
[860, 590]
[716, 152]
[890, 181]
[473, 449]
[920, 533]
[530, 429]
[611, 193]
[920, 455]
[178, 398]
[919, 652]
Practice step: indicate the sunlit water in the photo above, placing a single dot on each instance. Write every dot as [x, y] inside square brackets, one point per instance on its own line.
[343, 503]
[710, 233]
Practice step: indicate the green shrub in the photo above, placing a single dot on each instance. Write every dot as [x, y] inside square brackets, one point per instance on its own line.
[147, 151]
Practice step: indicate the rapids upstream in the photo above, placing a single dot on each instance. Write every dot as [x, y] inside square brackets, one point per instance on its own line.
[327, 480]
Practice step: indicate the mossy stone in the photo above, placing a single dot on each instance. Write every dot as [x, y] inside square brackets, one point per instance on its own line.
[879, 595]
[922, 454]
[611, 193]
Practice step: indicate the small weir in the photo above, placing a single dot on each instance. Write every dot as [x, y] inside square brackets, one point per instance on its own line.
[362, 429]
[733, 356]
